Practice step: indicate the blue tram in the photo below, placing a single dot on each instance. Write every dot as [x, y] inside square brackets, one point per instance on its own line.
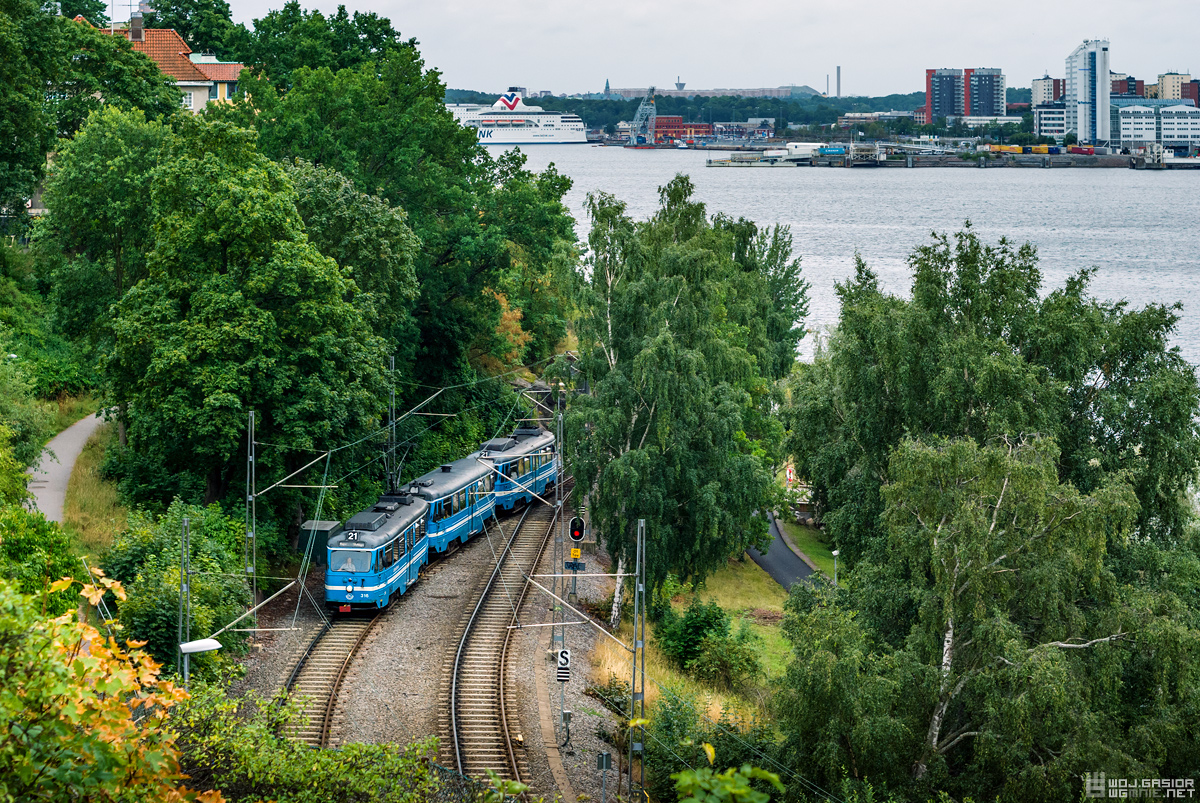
[526, 461]
[379, 551]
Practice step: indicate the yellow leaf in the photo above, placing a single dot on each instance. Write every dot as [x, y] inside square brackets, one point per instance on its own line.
[710, 752]
[59, 585]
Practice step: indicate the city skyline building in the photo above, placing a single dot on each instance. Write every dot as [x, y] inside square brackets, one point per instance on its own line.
[1087, 93]
[984, 92]
[970, 92]
[1046, 90]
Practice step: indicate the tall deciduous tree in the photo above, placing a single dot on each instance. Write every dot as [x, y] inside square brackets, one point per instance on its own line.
[289, 38]
[488, 227]
[670, 332]
[367, 238]
[977, 352]
[239, 312]
[98, 196]
[1027, 656]
[53, 73]
[204, 24]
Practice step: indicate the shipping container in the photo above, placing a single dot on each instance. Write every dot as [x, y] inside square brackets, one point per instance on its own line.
[1088, 150]
[832, 151]
[1041, 149]
[1053, 149]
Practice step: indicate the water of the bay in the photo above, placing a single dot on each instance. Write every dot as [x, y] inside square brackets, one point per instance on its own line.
[1140, 229]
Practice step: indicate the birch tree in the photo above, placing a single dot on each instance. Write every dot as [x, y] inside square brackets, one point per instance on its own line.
[670, 335]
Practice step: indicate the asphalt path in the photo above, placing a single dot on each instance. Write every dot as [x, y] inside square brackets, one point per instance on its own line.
[48, 483]
[784, 565]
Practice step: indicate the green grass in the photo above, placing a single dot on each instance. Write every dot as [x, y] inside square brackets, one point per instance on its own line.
[743, 589]
[742, 586]
[92, 510]
[808, 540]
[69, 409]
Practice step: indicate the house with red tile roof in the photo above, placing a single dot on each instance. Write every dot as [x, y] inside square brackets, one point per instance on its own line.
[202, 78]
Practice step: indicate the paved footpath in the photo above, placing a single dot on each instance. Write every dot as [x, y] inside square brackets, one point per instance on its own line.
[49, 482]
[784, 565]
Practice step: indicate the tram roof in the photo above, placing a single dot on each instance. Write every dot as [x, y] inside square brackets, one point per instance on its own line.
[382, 522]
[442, 482]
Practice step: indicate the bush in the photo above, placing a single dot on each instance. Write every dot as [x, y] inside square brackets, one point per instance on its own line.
[34, 553]
[680, 637]
[678, 729]
[727, 661]
[70, 731]
[239, 746]
[146, 559]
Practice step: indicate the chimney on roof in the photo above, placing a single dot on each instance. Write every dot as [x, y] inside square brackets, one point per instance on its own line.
[135, 27]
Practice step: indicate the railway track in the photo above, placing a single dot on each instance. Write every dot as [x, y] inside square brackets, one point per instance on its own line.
[483, 725]
[319, 674]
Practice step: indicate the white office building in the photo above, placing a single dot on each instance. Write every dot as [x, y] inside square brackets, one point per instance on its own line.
[1050, 120]
[1087, 92]
[1176, 127]
[1139, 126]
[1179, 127]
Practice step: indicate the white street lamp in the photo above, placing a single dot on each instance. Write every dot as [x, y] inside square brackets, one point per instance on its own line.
[835, 557]
[189, 647]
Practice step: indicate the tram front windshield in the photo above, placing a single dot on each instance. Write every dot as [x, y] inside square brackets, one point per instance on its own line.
[350, 560]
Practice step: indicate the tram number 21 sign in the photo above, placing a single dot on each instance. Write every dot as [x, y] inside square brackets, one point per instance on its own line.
[564, 666]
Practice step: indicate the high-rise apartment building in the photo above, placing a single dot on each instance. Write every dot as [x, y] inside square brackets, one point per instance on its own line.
[1088, 90]
[973, 92]
[1170, 84]
[1047, 90]
[943, 93]
[983, 92]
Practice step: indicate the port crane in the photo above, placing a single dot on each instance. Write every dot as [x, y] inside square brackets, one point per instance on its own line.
[641, 132]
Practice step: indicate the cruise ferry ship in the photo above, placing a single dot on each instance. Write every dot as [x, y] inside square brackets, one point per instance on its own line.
[509, 121]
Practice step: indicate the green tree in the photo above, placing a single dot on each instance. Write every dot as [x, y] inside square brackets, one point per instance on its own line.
[204, 24]
[978, 352]
[99, 217]
[239, 312]
[289, 38]
[29, 41]
[367, 238]
[53, 73]
[94, 11]
[94, 70]
[675, 351]
[491, 232]
[1025, 648]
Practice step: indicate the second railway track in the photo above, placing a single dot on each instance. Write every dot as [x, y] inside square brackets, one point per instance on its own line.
[483, 723]
[319, 675]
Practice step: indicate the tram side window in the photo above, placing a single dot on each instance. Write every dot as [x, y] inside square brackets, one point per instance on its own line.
[453, 504]
[389, 555]
[401, 543]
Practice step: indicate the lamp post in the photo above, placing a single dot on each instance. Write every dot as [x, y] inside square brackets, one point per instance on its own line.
[836, 552]
[189, 647]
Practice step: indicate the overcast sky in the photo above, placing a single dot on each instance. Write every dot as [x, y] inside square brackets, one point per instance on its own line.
[883, 47]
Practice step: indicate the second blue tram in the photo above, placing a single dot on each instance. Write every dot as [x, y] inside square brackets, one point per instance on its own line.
[379, 551]
[526, 462]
